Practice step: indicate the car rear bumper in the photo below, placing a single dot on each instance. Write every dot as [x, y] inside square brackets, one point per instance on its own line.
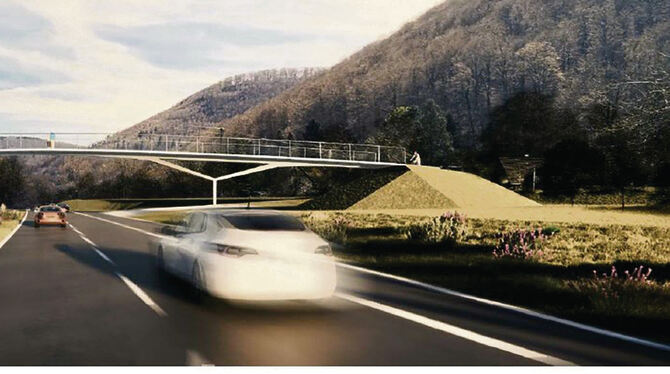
[256, 278]
[45, 222]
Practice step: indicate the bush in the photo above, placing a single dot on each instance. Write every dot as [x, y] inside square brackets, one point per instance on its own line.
[609, 285]
[521, 244]
[447, 228]
[626, 293]
[334, 229]
[11, 215]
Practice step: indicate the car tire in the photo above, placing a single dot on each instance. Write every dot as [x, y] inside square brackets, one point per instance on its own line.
[37, 225]
[63, 226]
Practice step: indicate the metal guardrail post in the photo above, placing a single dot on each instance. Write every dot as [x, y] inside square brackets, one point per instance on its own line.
[228, 145]
[166, 143]
[289, 148]
[320, 150]
[379, 153]
[350, 152]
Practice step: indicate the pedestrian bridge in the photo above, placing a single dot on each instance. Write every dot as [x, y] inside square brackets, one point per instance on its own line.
[164, 149]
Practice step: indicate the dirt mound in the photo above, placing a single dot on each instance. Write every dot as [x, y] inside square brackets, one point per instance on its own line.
[418, 187]
[408, 191]
[470, 191]
[343, 196]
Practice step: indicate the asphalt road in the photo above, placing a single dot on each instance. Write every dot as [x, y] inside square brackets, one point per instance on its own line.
[92, 296]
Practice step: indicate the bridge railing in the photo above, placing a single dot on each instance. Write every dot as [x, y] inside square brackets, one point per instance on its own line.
[209, 144]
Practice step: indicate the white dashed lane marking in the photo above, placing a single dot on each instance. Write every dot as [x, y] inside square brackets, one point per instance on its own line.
[133, 287]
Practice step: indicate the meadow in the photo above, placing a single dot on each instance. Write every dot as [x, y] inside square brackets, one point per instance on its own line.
[568, 274]
[10, 219]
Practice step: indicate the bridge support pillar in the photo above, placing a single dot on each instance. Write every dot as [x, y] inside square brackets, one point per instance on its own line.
[214, 191]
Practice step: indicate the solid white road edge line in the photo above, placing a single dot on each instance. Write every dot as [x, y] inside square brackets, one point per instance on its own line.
[446, 291]
[5, 240]
[133, 287]
[457, 331]
[122, 225]
[517, 309]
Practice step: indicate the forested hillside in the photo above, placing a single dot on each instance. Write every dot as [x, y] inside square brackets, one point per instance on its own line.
[508, 77]
[220, 101]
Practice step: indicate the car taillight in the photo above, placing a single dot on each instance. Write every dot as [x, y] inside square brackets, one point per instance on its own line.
[61, 215]
[324, 250]
[40, 215]
[231, 250]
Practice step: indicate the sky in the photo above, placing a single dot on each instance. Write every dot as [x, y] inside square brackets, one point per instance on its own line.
[104, 65]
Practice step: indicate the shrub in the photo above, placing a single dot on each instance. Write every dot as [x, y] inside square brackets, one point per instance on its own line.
[334, 229]
[615, 293]
[447, 228]
[521, 244]
[11, 215]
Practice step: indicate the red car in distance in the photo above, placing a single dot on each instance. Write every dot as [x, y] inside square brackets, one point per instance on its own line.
[50, 215]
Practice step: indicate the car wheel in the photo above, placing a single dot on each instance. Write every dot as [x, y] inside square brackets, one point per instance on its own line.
[37, 225]
[63, 226]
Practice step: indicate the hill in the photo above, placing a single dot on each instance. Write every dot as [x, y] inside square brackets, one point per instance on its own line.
[220, 101]
[591, 58]
[69, 177]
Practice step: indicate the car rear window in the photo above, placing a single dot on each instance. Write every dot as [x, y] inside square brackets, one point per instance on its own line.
[266, 222]
[50, 209]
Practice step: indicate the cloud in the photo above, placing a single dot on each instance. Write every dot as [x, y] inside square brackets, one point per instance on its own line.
[104, 65]
[22, 29]
[195, 45]
[13, 75]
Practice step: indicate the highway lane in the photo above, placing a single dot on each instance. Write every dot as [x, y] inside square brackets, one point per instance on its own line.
[64, 304]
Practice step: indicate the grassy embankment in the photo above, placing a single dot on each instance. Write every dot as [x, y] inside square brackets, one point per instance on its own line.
[10, 219]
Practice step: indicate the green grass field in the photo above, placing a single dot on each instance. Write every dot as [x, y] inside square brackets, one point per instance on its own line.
[560, 282]
[10, 219]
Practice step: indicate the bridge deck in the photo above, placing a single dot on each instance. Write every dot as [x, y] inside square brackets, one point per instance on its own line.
[194, 156]
[205, 148]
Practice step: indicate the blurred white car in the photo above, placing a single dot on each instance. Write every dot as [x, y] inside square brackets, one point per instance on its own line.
[249, 255]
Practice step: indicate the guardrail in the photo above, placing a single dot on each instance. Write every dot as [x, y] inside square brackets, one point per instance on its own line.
[208, 144]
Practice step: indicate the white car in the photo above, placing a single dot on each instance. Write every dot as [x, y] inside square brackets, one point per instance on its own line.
[249, 255]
